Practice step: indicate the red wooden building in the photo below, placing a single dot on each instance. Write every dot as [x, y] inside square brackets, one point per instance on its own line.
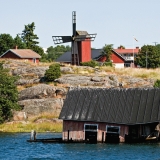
[116, 59]
[111, 115]
[84, 48]
[22, 54]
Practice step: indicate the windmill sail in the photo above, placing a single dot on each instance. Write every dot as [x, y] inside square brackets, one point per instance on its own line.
[61, 39]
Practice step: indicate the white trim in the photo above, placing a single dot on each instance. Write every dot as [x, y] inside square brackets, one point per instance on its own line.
[119, 65]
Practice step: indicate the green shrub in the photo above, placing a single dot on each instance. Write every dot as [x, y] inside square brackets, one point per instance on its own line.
[91, 63]
[107, 64]
[157, 83]
[53, 72]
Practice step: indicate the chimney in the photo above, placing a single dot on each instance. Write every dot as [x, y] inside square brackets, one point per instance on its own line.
[137, 47]
[16, 47]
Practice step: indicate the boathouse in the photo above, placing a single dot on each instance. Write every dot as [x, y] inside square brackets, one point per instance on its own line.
[111, 115]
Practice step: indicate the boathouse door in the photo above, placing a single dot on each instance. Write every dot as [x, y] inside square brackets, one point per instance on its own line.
[112, 134]
[91, 133]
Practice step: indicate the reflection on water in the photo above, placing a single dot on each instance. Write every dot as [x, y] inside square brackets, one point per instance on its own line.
[14, 146]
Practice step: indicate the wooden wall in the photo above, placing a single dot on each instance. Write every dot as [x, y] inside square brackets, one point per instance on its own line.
[76, 130]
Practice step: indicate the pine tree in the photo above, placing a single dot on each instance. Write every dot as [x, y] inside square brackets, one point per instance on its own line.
[8, 94]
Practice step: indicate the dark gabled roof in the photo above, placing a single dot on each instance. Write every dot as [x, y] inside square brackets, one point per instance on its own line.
[23, 53]
[66, 57]
[120, 106]
[95, 55]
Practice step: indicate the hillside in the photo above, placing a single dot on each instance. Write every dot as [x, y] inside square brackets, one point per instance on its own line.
[41, 102]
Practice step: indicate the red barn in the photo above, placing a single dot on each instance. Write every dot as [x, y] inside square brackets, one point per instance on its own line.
[22, 54]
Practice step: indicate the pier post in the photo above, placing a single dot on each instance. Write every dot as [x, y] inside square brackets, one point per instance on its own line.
[68, 135]
[33, 135]
[102, 137]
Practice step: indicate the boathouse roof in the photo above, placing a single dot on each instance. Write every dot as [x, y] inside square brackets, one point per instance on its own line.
[120, 106]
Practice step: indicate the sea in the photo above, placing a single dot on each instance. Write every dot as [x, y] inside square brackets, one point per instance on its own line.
[14, 146]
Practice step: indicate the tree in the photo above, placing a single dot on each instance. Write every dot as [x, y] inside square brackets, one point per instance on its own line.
[8, 94]
[19, 43]
[55, 52]
[107, 51]
[121, 46]
[6, 43]
[148, 57]
[158, 47]
[28, 36]
[40, 51]
[53, 72]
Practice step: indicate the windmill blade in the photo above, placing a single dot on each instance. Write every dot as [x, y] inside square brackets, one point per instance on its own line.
[61, 39]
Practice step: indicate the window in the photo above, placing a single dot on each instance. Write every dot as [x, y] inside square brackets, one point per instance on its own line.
[113, 129]
[90, 127]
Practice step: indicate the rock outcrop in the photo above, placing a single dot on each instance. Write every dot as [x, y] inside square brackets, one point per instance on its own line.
[41, 98]
[35, 107]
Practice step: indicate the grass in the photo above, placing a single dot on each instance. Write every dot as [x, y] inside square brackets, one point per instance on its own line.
[27, 127]
[139, 72]
[44, 116]
[32, 124]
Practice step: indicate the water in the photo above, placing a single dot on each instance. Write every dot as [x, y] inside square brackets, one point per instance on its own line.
[15, 147]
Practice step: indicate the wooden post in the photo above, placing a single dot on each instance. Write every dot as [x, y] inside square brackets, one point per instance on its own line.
[102, 137]
[33, 135]
[68, 135]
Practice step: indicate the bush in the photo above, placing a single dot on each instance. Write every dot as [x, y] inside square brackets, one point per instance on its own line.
[91, 63]
[53, 72]
[107, 64]
[157, 84]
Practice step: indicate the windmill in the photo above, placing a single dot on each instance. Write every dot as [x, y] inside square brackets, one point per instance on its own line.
[76, 38]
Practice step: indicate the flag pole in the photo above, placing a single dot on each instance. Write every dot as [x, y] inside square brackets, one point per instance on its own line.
[133, 52]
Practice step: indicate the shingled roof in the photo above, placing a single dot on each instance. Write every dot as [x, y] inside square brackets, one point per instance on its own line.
[23, 53]
[120, 106]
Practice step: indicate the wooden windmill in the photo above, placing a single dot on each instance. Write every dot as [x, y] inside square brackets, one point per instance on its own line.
[76, 41]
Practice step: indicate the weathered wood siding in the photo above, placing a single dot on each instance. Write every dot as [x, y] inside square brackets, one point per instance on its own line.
[76, 130]
[9, 54]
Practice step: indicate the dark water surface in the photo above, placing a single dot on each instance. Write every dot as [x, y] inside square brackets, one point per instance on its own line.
[15, 146]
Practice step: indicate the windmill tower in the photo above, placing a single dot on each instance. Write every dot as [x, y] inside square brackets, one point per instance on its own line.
[79, 40]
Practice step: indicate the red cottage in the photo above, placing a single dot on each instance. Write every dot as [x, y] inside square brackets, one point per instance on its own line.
[22, 54]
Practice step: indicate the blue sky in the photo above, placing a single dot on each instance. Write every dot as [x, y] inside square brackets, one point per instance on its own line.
[114, 21]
